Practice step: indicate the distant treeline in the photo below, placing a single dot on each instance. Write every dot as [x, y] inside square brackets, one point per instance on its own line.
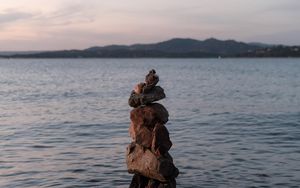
[276, 51]
[174, 48]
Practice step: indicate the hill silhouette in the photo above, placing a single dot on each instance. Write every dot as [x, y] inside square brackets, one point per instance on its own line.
[173, 48]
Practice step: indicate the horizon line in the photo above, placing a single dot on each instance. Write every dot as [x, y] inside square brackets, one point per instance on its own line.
[145, 43]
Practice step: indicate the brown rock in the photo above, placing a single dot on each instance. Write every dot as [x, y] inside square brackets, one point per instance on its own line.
[161, 113]
[168, 156]
[167, 168]
[155, 94]
[143, 120]
[171, 184]
[151, 81]
[132, 131]
[161, 142]
[141, 134]
[142, 161]
[157, 184]
[134, 99]
[153, 184]
[138, 181]
[149, 115]
[138, 89]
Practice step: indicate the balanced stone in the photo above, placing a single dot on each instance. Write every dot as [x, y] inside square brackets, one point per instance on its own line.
[149, 115]
[156, 184]
[161, 142]
[138, 89]
[139, 181]
[142, 161]
[156, 139]
[151, 81]
[141, 135]
[147, 156]
[138, 99]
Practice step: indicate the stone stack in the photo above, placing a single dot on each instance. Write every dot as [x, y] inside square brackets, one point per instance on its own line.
[147, 156]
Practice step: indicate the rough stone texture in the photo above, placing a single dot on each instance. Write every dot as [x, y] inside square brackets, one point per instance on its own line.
[142, 161]
[149, 115]
[138, 89]
[135, 99]
[151, 80]
[171, 184]
[157, 139]
[161, 142]
[168, 156]
[139, 181]
[160, 112]
[132, 131]
[155, 94]
[143, 120]
[167, 168]
[157, 184]
[141, 134]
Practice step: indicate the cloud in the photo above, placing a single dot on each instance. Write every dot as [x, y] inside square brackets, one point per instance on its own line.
[285, 6]
[9, 16]
[58, 24]
[66, 15]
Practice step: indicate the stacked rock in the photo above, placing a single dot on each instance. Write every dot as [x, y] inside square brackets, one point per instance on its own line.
[147, 156]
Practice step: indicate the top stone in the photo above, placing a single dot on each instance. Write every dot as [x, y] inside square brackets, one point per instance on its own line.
[146, 93]
[151, 80]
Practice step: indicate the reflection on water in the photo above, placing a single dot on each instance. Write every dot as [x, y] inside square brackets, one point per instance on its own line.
[233, 122]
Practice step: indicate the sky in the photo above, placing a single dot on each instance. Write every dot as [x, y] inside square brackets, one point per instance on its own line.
[79, 24]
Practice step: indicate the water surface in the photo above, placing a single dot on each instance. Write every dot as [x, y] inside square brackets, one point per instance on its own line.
[233, 122]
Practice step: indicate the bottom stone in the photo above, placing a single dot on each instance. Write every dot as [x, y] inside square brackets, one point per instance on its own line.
[142, 161]
[139, 181]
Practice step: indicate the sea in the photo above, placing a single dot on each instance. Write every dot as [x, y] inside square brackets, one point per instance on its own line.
[233, 122]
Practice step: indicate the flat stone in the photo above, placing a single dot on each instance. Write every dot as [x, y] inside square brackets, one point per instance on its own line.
[155, 94]
[142, 161]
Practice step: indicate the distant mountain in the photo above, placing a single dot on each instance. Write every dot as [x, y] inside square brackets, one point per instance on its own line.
[177, 47]
[182, 46]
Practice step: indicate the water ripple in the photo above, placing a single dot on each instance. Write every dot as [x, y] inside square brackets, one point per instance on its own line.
[233, 123]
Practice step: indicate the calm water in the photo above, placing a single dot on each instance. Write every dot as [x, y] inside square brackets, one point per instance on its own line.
[233, 122]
